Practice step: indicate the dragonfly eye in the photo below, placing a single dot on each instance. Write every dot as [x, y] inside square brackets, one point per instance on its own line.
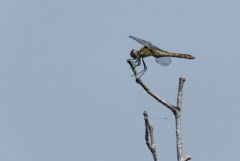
[134, 54]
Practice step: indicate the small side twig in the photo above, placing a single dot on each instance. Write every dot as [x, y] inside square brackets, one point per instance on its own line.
[149, 136]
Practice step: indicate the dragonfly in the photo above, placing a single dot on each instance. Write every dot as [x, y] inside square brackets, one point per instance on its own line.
[162, 57]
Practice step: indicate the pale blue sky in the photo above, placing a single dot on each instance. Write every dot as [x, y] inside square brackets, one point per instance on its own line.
[66, 91]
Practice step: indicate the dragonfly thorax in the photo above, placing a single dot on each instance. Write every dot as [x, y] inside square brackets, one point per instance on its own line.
[134, 54]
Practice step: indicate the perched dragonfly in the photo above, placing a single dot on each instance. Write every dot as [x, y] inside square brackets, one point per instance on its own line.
[161, 56]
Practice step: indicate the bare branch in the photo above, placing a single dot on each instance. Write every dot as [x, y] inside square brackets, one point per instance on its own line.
[139, 81]
[180, 154]
[149, 134]
[180, 92]
[175, 109]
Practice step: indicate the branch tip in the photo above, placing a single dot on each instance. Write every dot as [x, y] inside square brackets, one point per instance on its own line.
[183, 78]
[188, 158]
[145, 114]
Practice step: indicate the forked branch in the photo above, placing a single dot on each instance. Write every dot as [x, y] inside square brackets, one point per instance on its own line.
[175, 109]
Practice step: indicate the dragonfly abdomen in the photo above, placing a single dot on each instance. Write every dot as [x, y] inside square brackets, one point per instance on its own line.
[172, 54]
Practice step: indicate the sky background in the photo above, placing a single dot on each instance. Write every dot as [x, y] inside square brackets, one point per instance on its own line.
[66, 91]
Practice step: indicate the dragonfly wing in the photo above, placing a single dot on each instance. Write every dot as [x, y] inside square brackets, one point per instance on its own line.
[145, 43]
[141, 41]
[164, 61]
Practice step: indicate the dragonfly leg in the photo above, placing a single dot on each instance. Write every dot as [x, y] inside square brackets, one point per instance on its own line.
[144, 68]
[131, 60]
[135, 62]
[144, 65]
[138, 62]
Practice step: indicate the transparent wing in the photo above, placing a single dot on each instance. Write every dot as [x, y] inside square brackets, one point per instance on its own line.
[145, 43]
[164, 61]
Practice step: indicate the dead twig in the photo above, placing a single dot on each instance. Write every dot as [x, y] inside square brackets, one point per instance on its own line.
[175, 109]
[149, 136]
[139, 81]
[180, 154]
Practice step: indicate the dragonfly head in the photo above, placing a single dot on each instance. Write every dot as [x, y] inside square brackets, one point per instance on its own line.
[134, 54]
